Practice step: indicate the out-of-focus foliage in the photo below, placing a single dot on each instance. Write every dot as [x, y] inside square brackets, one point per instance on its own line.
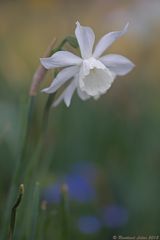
[107, 151]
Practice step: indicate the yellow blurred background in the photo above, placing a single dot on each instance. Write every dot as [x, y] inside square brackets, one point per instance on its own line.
[27, 27]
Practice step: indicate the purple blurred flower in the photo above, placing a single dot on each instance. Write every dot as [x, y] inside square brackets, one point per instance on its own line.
[80, 189]
[89, 224]
[80, 184]
[115, 216]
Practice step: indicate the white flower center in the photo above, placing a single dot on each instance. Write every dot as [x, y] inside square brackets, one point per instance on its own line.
[94, 78]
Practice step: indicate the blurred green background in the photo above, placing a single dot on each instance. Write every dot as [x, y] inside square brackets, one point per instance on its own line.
[117, 136]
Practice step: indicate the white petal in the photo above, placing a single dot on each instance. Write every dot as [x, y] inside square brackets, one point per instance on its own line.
[85, 37]
[83, 95]
[118, 64]
[69, 93]
[61, 59]
[107, 40]
[66, 95]
[97, 82]
[63, 76]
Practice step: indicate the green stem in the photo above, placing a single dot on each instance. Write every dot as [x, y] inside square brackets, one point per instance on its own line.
[65, 233]
[14, 211]
[29, 127]
[46, 112]
[35, 211]
[69, 39]
[25, 148]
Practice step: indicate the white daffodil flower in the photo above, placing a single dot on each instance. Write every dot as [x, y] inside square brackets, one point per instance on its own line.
[91, 74]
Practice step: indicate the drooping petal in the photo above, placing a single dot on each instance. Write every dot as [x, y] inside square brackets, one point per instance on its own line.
[97, 82]
[60, 59]
[66, 95]
[107, 40]
[63, 76]
[118, 64]
[69, 93]
[85, 37]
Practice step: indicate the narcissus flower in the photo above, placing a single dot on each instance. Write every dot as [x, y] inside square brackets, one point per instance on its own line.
[91, 74]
